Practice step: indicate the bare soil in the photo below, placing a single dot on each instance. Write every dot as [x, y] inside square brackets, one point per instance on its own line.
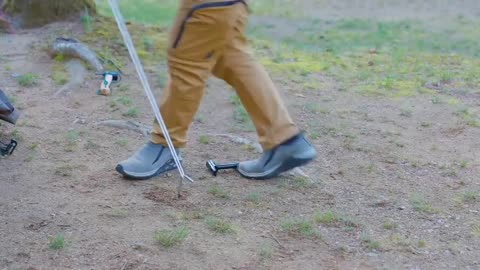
[372, 160]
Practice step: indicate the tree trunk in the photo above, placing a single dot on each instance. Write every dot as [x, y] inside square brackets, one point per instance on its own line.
[35, 13]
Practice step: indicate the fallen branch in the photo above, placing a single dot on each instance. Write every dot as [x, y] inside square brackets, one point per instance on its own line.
[276, 240]
[127, 125]
[124, 265]
[73, 48]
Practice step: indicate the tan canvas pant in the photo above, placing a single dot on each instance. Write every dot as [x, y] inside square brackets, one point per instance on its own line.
[209, 37]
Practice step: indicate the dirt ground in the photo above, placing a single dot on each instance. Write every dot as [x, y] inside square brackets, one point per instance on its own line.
[398, 177]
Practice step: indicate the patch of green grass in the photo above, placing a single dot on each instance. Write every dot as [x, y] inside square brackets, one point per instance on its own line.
[470, 196]
[370, 168]
[297, 182]
[326, 218]
[144, 11]
[132, 112]
[72, 136]
[204, 139]
[399, 240]
[476, 229]
[113, 105]
[57, 242]
[122, 142]
[334, 218]
[300, 227]
[64, 170]
[126, 101]
[392, 59]
[59, 74]
[464, 164]
[406, 113]
[92, 145]
[426, 124]
[192, 215]
[199, 118]
[123, 88]
[449, 172]
[418, 202]
[218, 192]
[240, 115]
[370, 243]
[169, 238]
[16, 134]
[28, 79]
[13, 99]
[266, 251]
[219, 225]
[253, 197]
[390, 224]
[162, 78]
[315, 108]
[118, 213]
[276, 8]
[33, 146]
[314, 134]
[87, 21]
[467, 116]
[147, 44]
[421, 243]
[437, 100]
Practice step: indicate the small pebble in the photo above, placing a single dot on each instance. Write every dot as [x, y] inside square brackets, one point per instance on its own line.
[139, 246]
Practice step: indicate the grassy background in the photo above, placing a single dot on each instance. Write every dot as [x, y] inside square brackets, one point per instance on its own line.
[162, 13]
[144, 11]
[396, 58]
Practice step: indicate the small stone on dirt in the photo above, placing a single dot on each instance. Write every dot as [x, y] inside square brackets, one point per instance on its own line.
[139, 246]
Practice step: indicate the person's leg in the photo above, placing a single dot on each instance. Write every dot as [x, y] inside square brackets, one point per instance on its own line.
[284, 147]
[197, 39]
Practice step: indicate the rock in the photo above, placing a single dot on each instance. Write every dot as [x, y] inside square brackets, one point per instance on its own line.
[139, 246]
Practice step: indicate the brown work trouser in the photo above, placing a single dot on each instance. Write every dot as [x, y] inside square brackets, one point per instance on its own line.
[209, 37]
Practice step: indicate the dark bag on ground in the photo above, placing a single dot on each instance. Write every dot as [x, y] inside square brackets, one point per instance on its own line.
[8, 113]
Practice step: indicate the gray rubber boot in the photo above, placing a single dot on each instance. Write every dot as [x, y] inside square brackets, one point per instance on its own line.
[294, 153]
[149, 161]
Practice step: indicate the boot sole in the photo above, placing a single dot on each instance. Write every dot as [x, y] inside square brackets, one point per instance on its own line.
[286, 166]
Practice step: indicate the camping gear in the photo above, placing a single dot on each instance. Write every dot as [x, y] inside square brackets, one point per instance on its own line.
[9, 114]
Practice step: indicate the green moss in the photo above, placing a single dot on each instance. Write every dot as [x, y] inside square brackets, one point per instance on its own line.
[59, 74]
[108, 44]
[28, 79]
[300, 227]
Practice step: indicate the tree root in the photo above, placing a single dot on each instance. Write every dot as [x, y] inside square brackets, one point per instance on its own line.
[127, 125]
[75, 49]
